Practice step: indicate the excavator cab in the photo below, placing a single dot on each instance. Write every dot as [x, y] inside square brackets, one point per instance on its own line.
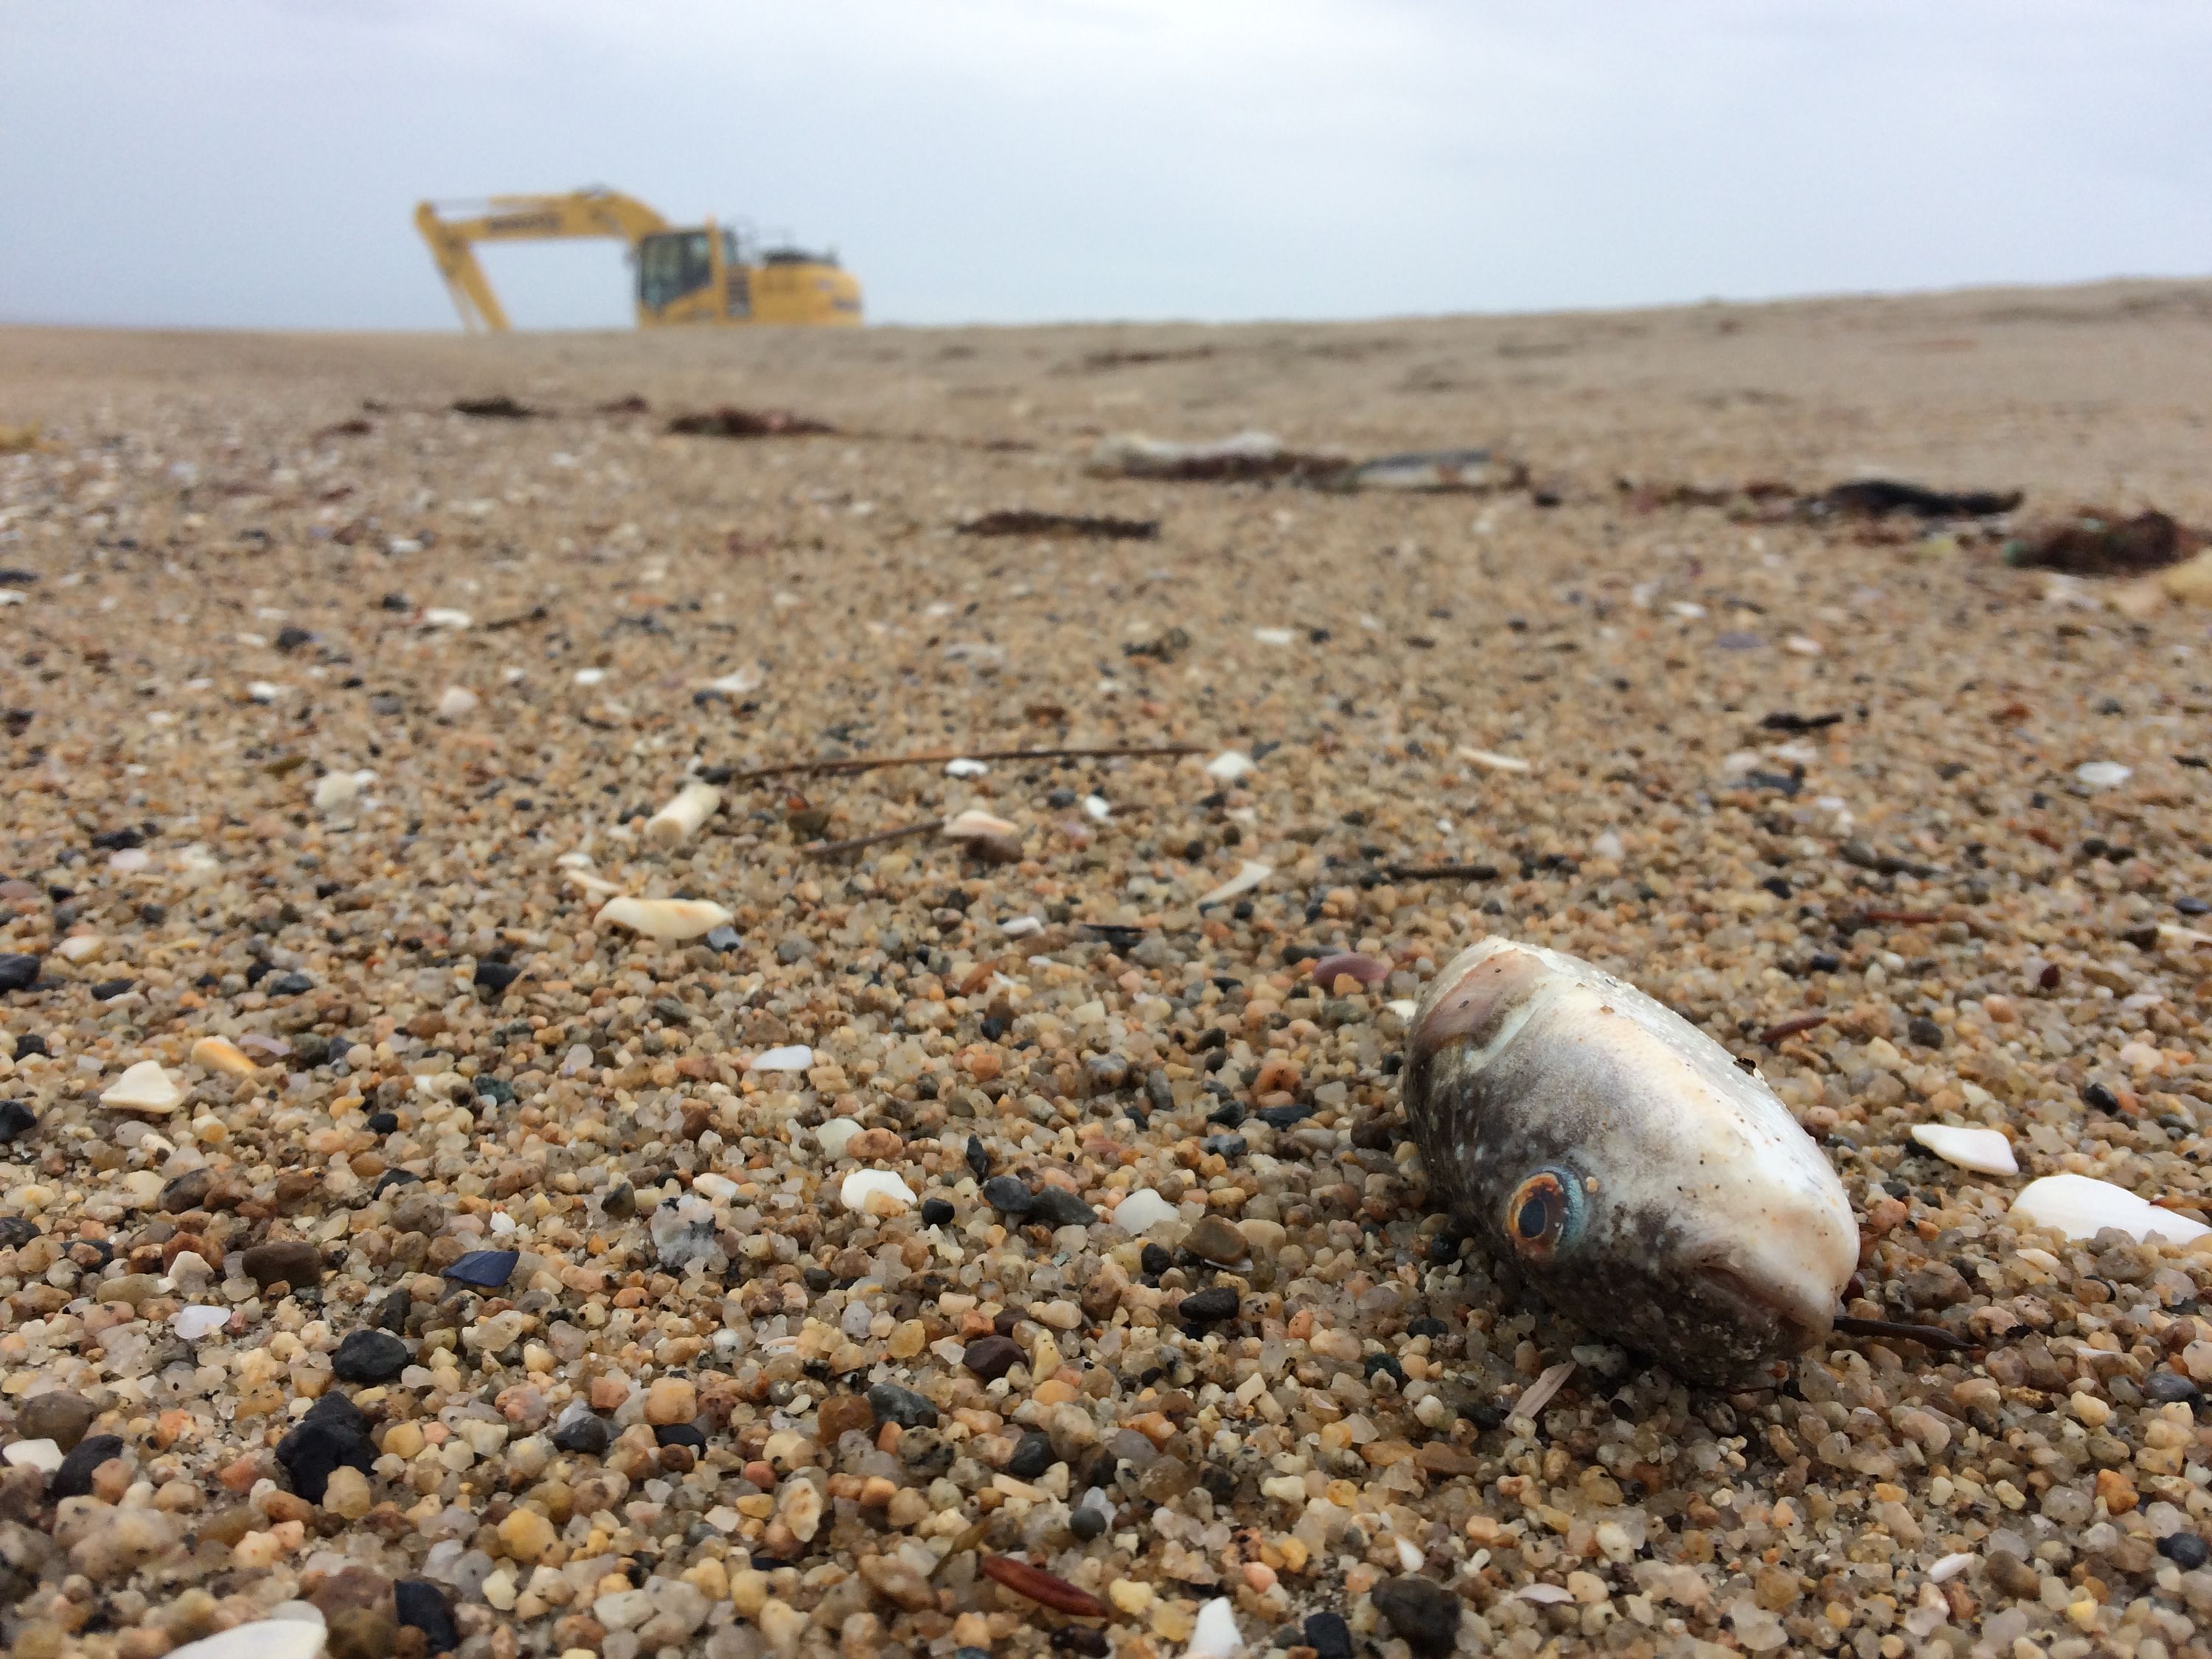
[704, 276]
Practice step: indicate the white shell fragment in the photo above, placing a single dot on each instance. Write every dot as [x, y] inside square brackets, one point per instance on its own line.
[1986, 1150]
[1491, 760]
[1142, 1211]
[680, 819]
[875, 1192]
[144, 1088]
[836, 1135]
[976, 825]
[2080, 1208]
[199, 1320]
[457, 701]
[738, 682]
[445, 616]
[336, 791]
[43, 1456]
[963, 767]
[669, 919]
[1949, 1566]
[1022, 927]
[268, 1638]
[1250, 875]
[2103, 775]
[1538, 1394]
[792, 1057]
[1275, 635]
[1215, 1636]
[1544, 1594]
[1229, 765]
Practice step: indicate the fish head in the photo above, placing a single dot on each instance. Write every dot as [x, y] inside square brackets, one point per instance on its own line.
[1618, 1161]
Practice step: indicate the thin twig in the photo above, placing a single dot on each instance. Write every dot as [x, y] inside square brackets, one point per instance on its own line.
[939, 756]
[1790, 1028]
[831, 850]
[1441, 871]
[1930, 1336]
[1903, 918]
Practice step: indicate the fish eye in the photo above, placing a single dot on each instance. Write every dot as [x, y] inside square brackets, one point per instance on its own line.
[1544, 1216]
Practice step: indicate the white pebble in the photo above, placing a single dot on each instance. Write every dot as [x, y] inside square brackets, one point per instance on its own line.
[199, 1320]
[41, 1455]
[264, 691]
[1215, 1636]
[736, 683]
[976, 825]
[1142, 1211]
[1544, 1594]
[458, 701]
[669, 919]
[336, 791]
[965, 768]
[836, 1135]
[792, 1057]
[1803, 645]
[590, 676]
[144, 1088]
[1229, 766]
[128, 861]
[2103, 775]
[2080, 1208]
[444, 616]
[682, 817]
[1249, 876]
[1949, 1567]
[875, 1192]
[1021, 926]
[1608, 846]
[1983, 1149]
[1275, 635]
[1098, 808]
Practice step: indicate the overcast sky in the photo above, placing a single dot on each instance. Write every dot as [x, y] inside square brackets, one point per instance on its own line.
[254, 162]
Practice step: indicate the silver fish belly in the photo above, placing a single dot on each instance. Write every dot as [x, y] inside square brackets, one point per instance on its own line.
[1624, 1164]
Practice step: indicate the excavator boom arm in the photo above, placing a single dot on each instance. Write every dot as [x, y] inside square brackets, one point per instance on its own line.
[522, 218]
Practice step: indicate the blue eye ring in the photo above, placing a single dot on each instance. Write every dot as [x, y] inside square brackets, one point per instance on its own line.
[1545, 1214]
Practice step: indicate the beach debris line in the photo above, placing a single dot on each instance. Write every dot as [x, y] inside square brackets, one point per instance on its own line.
[846, 766]
[2091, 543]
[1878, 498]
[1759, 1240]
[729, 421]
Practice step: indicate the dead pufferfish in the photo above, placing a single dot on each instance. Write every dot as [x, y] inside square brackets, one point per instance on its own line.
[1645, 1183]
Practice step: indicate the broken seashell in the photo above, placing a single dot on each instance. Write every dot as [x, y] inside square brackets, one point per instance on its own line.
[446, 617]
[681, 818]
[144, 1088]
[2080, 1208]
[1538, 1394]
[458, 701]
[876, 1192]
[2103, 775]
[221, 1054]
[1229, 766]
[1491, 760]
[792, 1057]
[669, 919]
[1248, 877]
[1986, 1150]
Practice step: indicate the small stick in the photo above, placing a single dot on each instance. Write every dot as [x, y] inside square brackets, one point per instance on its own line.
[831, 850]
[1441, 871]
[1790, 1028]
[1904, 918]
[1930, 1336]
[937, 758]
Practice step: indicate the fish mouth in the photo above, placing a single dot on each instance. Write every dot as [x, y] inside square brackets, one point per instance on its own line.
[1804, 1318]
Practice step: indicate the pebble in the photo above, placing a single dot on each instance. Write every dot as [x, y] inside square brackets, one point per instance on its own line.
[664, 919]
[370, 1357]
[1009, 1195]
[1213, 1239]
[795, 1057]
[678, 821]
[894, 1404]
[875, 1192]
[333, 1435]
[33, 1454]
[1142, 1211]
[486, 1269]
[1209, 1306]
[199, 1320]
[1215, 1636]
[72, 1477]
[283, 1260]
[992, 1357]
[63, 1418]
[421, 1606]
[1055, 1207]
[263, 1638]
[1421, 1612]
[219, 1055]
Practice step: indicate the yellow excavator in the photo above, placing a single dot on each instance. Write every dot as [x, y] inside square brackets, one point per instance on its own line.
[703, 274]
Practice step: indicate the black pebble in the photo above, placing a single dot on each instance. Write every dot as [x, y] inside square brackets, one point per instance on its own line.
[1007, 1194]
[496, 975]
[496, 1090]
[2185, 1549]
[1032, 1457]
[390, 1179]
[1081, 1639]
[1055, 1207]
[1225, 1145]
[1060, 799]
[370, 1356]
[1420, 1610]
[109, 989]
[2097, 1095]
[29, 1043]
[15, 1119]
[383, 1123]
[588, 1434]
[486, 1269]
[1227, 1115]
[2171, 1388]
[1328, 1635]
[1924, 1031]
[1282, 1117]
[1154, 1260]
[16, 1232]
[2192, 907]
[74, 1478]
[333, 1435]
[1383, 1362]
[1824, 961]
[1086, 1523]
[421, 1603]
[290, 985]
[978, 1159]
[680, 1434]
[892, 1404]
[1216, 1301]
[935, 1213]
